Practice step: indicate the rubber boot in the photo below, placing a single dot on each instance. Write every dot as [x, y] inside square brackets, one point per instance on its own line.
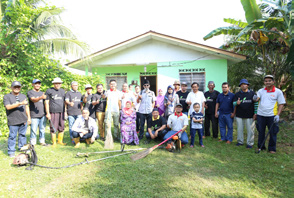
[77, 142]
[88, 141]
[60, 139]
[53, 137]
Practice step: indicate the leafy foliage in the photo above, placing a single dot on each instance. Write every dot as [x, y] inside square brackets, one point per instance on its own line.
[22, 58]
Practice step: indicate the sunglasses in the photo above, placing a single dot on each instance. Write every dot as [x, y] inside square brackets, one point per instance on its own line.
[146, 85]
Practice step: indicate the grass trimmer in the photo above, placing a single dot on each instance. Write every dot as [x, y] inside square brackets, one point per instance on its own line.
[143, 154]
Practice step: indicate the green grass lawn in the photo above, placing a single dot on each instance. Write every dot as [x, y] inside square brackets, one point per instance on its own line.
[218, 170]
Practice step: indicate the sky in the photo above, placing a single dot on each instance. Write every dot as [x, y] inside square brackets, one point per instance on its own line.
[103, 23]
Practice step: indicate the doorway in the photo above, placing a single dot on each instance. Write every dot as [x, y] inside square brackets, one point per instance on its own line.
[152, 80]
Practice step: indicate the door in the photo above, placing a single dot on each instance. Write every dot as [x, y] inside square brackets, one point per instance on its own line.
[152, 80]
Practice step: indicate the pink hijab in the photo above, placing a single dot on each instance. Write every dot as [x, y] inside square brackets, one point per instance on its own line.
[128, 111]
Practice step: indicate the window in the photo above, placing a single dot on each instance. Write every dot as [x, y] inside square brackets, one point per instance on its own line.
[120, 80]
[193, 77]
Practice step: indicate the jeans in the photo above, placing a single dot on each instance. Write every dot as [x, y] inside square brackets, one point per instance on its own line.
[214, 121]
[86, 136]
[225, 120]
[250, 133]
[22, 140]
[107, 122]
[71, 121]
[193, 133]
[143, 117]
[160, 134]
[184, 136]
[269, 122]
[41, 123]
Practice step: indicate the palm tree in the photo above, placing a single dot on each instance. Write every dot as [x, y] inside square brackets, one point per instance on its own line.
[47, 31]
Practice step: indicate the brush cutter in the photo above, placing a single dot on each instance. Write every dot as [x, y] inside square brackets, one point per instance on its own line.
[262, 144]
[143, 154]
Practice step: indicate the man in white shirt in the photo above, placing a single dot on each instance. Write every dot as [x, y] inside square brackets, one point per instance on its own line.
[271, 103]
[112, 109]
[195, 96]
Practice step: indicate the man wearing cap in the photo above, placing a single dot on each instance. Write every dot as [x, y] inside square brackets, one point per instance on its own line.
[37, 111]
[147, 98]
[244, 110]
[178, 121]
[99, 101]
[18, 117]
[55, 111]
[177, 85]
[271, 103]
[210, 96]
[112, 109]
[87, 101]
[183, 94]
[156, 127]
[73, 105]
[224, 111]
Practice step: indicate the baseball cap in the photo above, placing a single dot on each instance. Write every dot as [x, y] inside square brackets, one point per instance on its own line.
[36, 80]
[269, 76]
[184, 83]
[15, 83]
[179, 104]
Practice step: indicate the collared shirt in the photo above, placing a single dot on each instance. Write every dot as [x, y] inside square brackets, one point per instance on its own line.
[80, 124]
[177, 123]
[76, 98]
[268, 103]
[225, 103]
[146, 101]
[195, 97]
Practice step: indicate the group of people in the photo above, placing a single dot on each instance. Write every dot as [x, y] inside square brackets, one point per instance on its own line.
[128, 110]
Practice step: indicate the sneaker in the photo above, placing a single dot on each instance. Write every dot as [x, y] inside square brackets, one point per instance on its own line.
[202, 146]
[191, 146]
[228, 142]
[248, 146]
[239, 144]
[11, 155]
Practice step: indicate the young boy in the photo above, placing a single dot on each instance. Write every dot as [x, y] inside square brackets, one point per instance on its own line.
[196, 120]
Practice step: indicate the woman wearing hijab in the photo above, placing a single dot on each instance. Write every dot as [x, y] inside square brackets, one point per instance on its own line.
[170, 101]
[128, 125]
[160, 102]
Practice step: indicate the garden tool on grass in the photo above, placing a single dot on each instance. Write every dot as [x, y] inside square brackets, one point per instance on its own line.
[29, 156]
[87, 154]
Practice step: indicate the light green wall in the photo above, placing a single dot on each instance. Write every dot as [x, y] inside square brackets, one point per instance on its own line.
[133, 72]
[215, 70]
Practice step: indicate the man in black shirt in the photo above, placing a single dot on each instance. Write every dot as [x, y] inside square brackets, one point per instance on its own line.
[211, 97]
[37, 111]
[156, 126]
[244, 109]
[54, 106]
[87, 100]
[99, 100]
[18, 117]
[73, 105]
[183, 94]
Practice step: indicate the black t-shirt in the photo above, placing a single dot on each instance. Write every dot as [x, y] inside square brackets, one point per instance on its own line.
[210, 101]
[246, 108]
[182, 98]
[17, 115]
[100, 107]
[37, 109]
[89, 105]
[156, 124]
[76, 97]
[56, 100]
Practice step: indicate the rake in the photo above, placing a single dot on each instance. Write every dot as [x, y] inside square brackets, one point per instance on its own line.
[143, 154]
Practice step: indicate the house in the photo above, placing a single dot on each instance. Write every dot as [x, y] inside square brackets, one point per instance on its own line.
[161, 59]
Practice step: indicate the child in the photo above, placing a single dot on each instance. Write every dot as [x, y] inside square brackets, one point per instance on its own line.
[196, 124]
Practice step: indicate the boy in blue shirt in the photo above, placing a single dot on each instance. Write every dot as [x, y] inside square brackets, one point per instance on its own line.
[196, 125]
